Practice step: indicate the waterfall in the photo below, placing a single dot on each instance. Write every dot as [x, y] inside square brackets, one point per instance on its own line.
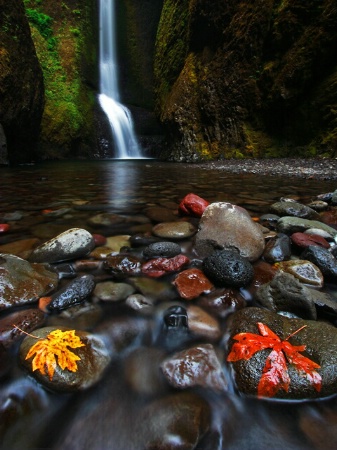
[119, 116]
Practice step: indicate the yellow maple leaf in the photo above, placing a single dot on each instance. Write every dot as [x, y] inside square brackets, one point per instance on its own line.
[55, 345]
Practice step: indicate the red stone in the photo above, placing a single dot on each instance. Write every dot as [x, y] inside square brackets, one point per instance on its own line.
[191, 283]
[4, 227]
[193, 205]
[304, 240]
[160, 266]
[99, 240]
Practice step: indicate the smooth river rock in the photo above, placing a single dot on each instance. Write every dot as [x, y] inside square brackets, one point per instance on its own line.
[227, 226]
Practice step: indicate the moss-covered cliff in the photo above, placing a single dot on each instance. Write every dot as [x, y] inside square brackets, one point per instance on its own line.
[247, 78]
[21, 86]
[65, 38]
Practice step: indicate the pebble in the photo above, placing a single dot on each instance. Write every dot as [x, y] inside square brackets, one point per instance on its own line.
[191, 283]
[160, 266]
[75, 292]
[174, 230]
[294, 209]
[277, 249]
[4, 227]
[324, 260]
[161, 249]
[304, 240]
[109, 291]
[304, 271]
[193, 205]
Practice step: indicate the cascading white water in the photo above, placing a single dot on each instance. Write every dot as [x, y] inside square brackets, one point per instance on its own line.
[119, 116]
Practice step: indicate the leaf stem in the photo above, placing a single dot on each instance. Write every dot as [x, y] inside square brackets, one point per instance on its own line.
[295, 332]
[25, 332]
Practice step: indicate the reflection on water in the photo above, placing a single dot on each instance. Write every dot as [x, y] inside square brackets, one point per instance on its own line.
[111, 416]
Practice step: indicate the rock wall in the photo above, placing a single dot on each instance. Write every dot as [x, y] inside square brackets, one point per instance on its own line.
[21, 86]
[247, 78]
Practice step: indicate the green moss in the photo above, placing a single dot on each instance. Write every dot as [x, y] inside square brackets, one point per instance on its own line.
[58, 40]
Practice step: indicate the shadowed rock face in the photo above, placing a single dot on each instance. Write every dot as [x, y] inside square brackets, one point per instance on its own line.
[247, 78]
[21, 83]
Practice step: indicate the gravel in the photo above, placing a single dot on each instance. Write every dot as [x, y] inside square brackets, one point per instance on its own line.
[313, 168]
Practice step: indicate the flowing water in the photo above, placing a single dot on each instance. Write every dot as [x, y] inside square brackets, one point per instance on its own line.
[111, 415]
[126, 145]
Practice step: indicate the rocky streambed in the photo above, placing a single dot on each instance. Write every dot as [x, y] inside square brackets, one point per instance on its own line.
[189, 324]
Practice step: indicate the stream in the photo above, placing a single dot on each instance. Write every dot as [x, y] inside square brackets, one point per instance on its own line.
[112, 415]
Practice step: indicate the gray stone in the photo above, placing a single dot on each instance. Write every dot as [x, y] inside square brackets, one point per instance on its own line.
[294, 209]
[324, 260]
[290, 225]
[227, 226]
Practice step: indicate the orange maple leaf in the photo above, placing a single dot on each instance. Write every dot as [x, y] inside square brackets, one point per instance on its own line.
[275, 374]
[55, 345]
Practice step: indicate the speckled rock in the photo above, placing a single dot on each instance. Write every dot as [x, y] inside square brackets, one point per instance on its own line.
[303, 240]
[161, 249]
[23, 283]
[228, 268]
[174, 230]
[305, 271]
[319, 338]
[195, 366]
[73, 243]
[224, 225]
[94, 358]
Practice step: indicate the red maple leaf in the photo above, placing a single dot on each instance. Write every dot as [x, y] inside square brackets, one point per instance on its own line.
[275, 374]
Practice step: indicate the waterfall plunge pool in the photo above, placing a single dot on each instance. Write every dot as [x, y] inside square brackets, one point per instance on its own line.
[113, 415]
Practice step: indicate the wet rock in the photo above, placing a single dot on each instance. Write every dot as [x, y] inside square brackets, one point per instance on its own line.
[330, 217]
[277, 249]
[193, 205]
[142, 372]
[23, 283]
[99, 240]
[75, 292]
[305, 271]
[94, 358]
[224, 225]
[101, 252]
[228, 268]
[86, 315]
[73, 243]
[122, 266]
[138, 240]
[106, 220]
[27, 320]
[263, 273]
[269, 220]
[117, 242]
[304, 240]
[161, 249]
[4, 227]
[177, 421]
[159, 214]
[294, 209]
[317, 232]
[324, 260]
[154, 289]
[222, 302]
[173, 328]
[139, 302]
[160, 266]
[196, 366]
[319, 339]
[191, 283]
[290, 225]
[22, 248]
[109, 291]
[202, 324]
[286, 293]
[318, 205]
[174, 230]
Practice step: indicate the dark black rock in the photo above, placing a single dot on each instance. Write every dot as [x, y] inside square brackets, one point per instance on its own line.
[228, 267]
[323, 259]
[277, 249]
[162, 249]
[73, 293]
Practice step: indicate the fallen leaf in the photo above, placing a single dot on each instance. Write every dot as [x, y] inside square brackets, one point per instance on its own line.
[55, 345]
[275, 374]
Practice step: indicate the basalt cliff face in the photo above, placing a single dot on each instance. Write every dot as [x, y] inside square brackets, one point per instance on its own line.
[21, 86]
[247, 78]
